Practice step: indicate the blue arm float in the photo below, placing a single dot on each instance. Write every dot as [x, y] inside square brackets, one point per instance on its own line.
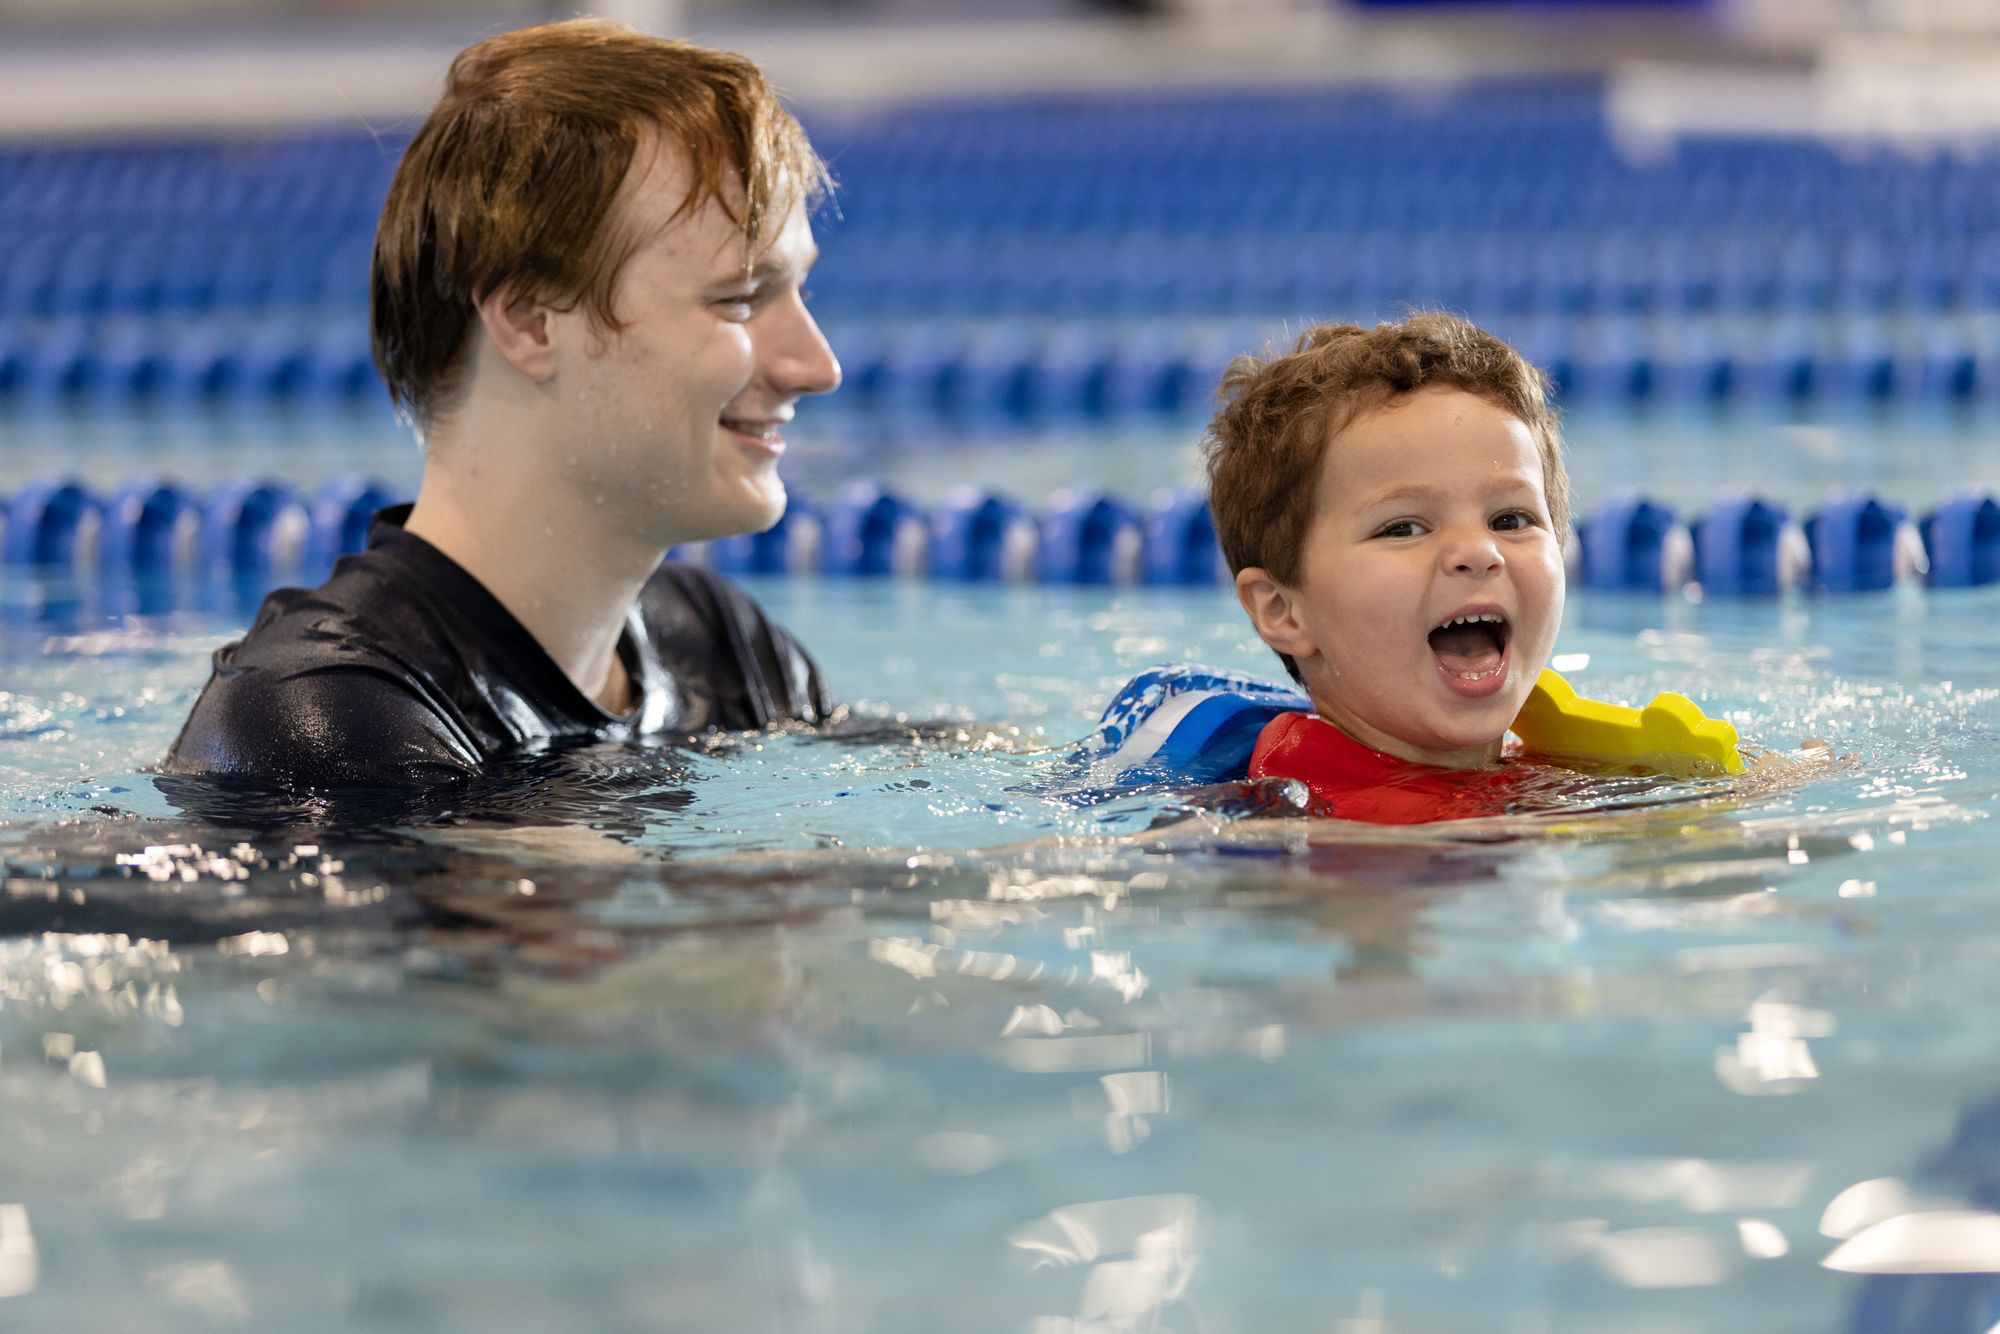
[1182, 724]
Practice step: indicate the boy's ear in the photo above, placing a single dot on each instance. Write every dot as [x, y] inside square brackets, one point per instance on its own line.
[1274, 612]
[519, 329]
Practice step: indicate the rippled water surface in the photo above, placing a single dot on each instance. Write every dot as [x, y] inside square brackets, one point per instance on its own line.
[866, 1035]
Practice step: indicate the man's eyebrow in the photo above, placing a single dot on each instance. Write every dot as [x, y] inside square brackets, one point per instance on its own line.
[767, 267]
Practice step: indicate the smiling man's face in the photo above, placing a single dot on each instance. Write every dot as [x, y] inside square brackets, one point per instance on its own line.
[1430, 587]
[679, 416]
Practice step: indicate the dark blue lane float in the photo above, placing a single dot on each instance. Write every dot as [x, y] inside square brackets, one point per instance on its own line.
[1088, 537]
[1740, 547]
[151, 526]
[52, 523]
[255, 527]
[1962, 539]
[981, 537]
[1180, 544]
[1855, 541]
[1631, 544]
[869, 530]
[1744, 546]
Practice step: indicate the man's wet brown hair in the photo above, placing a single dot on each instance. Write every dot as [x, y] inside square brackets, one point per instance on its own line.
[1280, 412]
[513, 180]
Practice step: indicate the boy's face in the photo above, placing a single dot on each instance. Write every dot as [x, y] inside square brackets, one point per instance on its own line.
[678, 417]
[1430, 508]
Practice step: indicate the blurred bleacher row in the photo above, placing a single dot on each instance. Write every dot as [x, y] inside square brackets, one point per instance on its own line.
[1099, 257]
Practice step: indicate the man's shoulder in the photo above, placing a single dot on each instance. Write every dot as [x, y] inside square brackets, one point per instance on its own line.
[364, 607]
[326, 689]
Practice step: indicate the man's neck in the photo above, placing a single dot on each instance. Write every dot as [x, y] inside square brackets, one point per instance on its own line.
[570, 582]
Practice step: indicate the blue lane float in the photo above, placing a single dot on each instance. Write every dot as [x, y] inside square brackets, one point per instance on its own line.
[981, 537]
[1631, 544]
[1854, 544]
[1088, 537]
[151, 526]
[1742, 548]
[52, 523]
[1962, 539]
[255, 526]
[871, 531]
[1180, 543]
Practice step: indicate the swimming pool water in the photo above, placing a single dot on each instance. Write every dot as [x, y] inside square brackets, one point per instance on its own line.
[805, 1052]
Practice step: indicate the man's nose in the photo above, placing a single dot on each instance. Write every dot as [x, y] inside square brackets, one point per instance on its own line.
[798, 359]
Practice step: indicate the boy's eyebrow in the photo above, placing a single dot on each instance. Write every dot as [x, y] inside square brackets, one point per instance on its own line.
[1425, 491]
[1408, 491]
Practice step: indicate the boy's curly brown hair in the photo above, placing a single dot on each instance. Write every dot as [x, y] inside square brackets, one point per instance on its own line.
[1280, 411]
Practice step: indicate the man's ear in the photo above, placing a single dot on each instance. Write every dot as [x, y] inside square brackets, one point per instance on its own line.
[1274, 612]
[520, 330]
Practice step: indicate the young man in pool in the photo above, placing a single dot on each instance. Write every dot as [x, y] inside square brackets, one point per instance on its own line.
[1393, 504]
[587, 297]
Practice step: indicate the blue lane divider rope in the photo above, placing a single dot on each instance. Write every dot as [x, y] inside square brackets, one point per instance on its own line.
[1741, 546]
[1963, 540]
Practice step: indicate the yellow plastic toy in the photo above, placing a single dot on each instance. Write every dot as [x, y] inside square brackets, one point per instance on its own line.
[1670, 735]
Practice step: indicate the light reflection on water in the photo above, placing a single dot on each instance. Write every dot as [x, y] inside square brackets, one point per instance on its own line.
[1645, 1069]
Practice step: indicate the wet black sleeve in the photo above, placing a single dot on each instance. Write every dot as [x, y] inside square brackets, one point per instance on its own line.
[350, 726]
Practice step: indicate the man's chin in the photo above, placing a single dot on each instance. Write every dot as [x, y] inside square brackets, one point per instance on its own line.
[738, 510]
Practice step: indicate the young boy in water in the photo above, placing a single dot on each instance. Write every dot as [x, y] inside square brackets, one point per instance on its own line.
[1393, 504]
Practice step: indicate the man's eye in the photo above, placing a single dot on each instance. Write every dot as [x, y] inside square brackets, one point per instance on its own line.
[736, 307]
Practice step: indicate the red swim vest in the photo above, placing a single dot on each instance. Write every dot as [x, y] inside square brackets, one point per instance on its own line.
[1349, 781]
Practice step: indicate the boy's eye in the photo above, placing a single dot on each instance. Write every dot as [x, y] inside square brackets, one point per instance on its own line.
[1513, 521]
[737, 305]
[1401, 528]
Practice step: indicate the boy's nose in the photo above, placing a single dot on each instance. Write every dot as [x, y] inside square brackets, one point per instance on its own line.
[1474, 553]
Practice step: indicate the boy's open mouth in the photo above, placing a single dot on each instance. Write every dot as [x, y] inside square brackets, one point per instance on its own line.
[1472, 647]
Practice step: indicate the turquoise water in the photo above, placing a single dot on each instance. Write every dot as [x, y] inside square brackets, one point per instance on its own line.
[863, 1036]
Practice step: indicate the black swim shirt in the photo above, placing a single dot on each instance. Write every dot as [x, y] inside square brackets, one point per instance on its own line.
[402, 671]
